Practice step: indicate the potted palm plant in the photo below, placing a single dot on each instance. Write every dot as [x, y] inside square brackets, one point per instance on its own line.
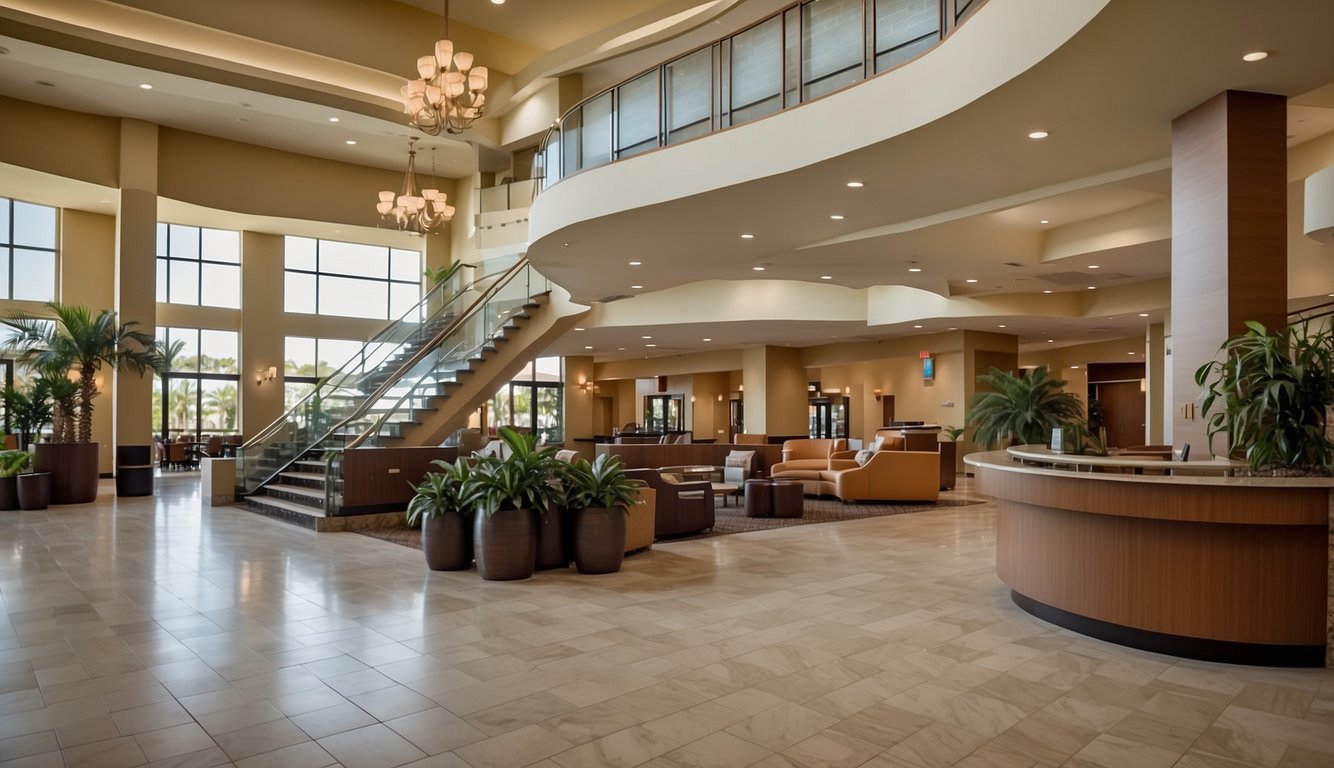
[1273, 390]
[29, 410]
[601, 496]
[1022, 407]
[71, 338]
[11, 464]
[510, 492]
[442, 507]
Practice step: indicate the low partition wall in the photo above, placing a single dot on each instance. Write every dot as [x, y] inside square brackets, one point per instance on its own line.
[711, 454]
[377, 479]
[1231, 569]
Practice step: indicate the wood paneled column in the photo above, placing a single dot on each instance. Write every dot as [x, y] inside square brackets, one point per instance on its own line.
[1229, 237]
[136, 276]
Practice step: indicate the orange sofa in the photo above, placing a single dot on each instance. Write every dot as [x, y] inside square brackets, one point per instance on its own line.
[808, 453]
[887, 475]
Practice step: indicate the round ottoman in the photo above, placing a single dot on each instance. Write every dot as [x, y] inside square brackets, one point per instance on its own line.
[758, 498]
[789, 498]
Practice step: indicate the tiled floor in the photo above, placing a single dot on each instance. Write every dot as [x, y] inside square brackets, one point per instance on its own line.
[157, 631]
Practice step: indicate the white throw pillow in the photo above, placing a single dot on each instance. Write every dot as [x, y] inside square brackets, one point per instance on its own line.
[863, 456]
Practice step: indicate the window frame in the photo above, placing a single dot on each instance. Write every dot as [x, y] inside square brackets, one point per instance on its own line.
[318, 272]
[10, 246]
[164, 254]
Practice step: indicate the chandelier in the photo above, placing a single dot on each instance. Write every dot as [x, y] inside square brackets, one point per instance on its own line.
[451, 92]
[411, 211]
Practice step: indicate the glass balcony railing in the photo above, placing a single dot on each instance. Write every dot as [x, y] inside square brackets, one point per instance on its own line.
[358, 384]
[430, 374]
[799, 54]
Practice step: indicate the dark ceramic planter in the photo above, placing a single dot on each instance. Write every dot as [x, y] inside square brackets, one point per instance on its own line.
[447, 542]
[553, 550]
[599, 539]
[73, 468]
[34, 490]
[9, 492]
[505, 544]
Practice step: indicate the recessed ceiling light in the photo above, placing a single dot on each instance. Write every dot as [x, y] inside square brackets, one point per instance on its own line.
[620, 349]
[645, 337]
[1093, 287]
[758, 269]
[856, 184]
[1094, 266]
[1051, 341]
[650, 345]
[1038, 135]
[826, 277]
[578, 329]
[914, 269]
[1144, 314]
[917, 326]
[497, 2]
[636, 287]
[708, 339]
[1074, 367]
[1047, 291]
[953, 328]
[1255, 56]
[747, 236]
[971, 280]
[146, 86]
[333, 120]
[836, 216]
[587, 347]
[350, 142]
[1130, 353]
[1045, 221]
[242, 119]
[636, 263]
[1000, 326]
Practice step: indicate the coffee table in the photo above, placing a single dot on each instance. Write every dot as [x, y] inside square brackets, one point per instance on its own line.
[724, 490]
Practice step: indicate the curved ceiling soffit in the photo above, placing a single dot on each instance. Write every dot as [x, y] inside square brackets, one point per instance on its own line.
[598, 192]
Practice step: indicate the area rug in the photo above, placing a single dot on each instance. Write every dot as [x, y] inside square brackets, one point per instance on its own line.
[732, 519]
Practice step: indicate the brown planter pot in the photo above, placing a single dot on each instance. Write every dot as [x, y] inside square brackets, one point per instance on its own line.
[505, 544]
[599, 539]
[73, 468]
[9, 492]
[948, 456]
[552, 548]
[447, 542]
[34, 490]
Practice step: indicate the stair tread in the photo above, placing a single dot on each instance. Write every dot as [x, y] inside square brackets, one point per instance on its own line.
[296, 490]
[290, 506]
[304, 475]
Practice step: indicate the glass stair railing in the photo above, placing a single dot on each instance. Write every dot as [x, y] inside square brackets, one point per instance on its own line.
[368, 379]
[435, 372]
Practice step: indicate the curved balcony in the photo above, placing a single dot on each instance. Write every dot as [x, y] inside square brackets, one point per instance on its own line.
[802, 53]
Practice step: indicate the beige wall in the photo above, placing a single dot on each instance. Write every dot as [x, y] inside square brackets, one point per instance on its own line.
[86, 276]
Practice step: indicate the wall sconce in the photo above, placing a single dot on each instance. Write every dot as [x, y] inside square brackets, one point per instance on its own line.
[266, 374]
[741, 387]
[589, 388]
[692, 399]
[847, 391]
[720, 397]
[878, 395]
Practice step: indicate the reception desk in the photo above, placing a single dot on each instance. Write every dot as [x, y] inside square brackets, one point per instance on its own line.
[1213, 567]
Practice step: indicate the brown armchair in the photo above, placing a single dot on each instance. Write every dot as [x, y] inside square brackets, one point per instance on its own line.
[681, 507]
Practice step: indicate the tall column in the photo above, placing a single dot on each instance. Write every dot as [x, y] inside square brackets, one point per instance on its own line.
[1229, 236]
[775, 391]
[136, 274]
[1155, 363]
[579, 403]
[261, 348]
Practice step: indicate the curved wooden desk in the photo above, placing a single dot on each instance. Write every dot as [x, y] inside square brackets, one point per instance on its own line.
[1220, 568]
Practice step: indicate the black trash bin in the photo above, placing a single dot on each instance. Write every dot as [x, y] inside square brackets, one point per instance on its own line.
[134, 470]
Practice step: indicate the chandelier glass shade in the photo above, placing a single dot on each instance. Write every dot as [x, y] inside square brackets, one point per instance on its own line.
[423, 212]
[450, 93]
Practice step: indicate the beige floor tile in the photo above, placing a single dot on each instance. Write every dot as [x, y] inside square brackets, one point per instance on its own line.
[1112, 752]
[830, 750]
[151, 717]
[174, 741]
[717, 750]
[1275, 699]
[936, 746]
[261, 738]
[436, 730]
[335, 719]
[394, 701]
[1241, 746]
[235, 718]
[516, 748]
[121, 752]
[782, 726]
[584, 725]
[40, 760]
[29, 744]
[305, 755]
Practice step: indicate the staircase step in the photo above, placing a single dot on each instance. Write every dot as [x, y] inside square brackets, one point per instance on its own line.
[310, 497]
[287, 511]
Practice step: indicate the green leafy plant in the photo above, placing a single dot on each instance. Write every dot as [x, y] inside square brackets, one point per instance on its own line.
[73, 338]
[520, 480]
[1272, 390]
[13, 462]
[62, 395]
[29, 410]
[952, 433]
[1081, 441]
[438, 275]
[441, 493]
[1026, 407]
[600, 484]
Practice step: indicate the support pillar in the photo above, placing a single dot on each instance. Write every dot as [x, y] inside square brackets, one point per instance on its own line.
[135, 277]
[1155, 360]
[775, 391]
[1229, 236]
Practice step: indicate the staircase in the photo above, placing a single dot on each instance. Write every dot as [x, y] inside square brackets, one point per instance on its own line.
[417, 394]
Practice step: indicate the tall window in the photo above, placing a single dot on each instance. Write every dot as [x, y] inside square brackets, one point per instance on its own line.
[308, 360]
[198, 393]
[198, 266]
[326, 277]
[27, 251]
[533, 401]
